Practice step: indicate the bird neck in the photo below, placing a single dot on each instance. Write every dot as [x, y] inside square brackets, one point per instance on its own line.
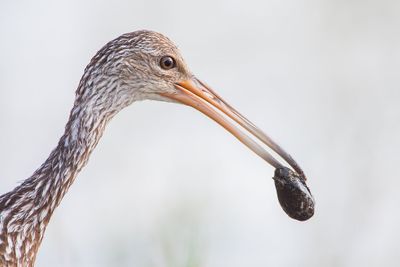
[26, 211]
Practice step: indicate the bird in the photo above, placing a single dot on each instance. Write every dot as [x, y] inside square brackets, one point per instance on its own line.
[140, 65]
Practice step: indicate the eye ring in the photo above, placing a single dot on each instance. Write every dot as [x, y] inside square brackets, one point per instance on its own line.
[167, 62]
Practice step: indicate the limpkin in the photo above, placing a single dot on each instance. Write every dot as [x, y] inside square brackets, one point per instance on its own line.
[135, 66]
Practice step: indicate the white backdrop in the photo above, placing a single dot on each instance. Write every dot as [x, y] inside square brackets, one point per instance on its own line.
[167, 186]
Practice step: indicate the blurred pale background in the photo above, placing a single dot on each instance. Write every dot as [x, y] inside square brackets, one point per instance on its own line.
[167, 186]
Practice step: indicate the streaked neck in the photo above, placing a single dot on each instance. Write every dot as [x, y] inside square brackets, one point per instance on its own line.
[26, 210]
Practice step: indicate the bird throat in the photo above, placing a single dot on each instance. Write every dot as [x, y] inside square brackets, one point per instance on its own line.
[26, 210]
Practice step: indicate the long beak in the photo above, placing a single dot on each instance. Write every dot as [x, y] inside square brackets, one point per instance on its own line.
[196, 94]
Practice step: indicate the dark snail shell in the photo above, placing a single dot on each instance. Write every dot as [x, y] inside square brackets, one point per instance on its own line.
[293, 194]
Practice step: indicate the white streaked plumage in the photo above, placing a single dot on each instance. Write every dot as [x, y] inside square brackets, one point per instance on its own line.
[135, 66]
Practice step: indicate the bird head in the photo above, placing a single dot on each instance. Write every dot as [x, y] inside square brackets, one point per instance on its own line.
[147, 65]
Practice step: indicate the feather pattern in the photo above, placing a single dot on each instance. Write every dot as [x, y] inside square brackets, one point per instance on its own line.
[123, 71]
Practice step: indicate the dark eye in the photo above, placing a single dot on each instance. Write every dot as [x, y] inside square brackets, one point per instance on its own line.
[167, 63]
